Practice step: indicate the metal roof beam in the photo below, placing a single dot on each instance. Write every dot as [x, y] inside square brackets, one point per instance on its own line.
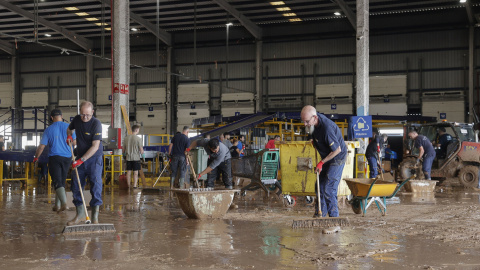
[246, 22]
[348, 12]
[159, 33]
[79, 40]
[7, 47]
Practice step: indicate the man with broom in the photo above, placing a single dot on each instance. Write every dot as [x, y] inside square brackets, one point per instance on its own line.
[89, 161]
[328, 141]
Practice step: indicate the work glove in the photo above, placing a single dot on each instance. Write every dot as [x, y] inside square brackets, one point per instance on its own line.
[243, 147]
[187, 150]
[77, 163]
[318, 169]
[198, 176]
[69, 139]
[35, 159]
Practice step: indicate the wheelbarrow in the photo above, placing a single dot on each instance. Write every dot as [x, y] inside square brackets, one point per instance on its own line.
[366, 191]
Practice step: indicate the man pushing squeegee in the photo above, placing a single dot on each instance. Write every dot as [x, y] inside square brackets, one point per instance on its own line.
[328, 141]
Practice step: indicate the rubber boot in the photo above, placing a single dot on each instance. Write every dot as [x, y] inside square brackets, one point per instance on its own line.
[57, 205]
[317, 212]
[62, 197]
[95, 210]
[80, 217]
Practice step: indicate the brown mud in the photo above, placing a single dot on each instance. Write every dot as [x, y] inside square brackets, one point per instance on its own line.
[430, 231]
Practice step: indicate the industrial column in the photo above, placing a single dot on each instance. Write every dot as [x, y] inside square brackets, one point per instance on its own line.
[121, 63]
[89, 78]
[259, 76]
[362, 63]
[471, 71]
[170, 106]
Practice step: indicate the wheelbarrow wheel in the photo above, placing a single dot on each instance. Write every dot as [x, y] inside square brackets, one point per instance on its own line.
[289, 201]
[357, 209]
[309, 200]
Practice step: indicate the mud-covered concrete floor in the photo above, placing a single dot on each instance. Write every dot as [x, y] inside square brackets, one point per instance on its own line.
[436, 231]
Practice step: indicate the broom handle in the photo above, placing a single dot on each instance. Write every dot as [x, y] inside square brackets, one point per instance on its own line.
[193, 170]
[318, 194]
[168, 162]
[80, 186]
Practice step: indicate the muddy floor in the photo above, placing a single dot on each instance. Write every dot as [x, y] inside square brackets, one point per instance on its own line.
[440, 230]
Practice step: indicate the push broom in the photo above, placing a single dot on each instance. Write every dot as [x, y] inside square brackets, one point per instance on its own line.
[88, 227]
[323, 222]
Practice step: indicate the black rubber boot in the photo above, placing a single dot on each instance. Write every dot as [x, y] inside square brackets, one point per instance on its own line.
[95, 210]
[62, 197]
[80, 217]
[317, 211]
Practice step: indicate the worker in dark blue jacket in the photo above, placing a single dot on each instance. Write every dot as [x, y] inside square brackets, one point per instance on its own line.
[426, 152]
[328, 141]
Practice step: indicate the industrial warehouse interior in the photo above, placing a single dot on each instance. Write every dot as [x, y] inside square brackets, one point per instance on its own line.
[239, 134]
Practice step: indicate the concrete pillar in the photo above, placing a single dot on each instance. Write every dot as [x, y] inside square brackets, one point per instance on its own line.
[89, 78]
[259, 75]
[471, 71]
[170, 106]
[363, 61]
[121, 67]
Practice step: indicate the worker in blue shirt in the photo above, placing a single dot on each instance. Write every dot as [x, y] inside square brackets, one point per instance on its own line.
[89, 160]
[59, 156]
[328, 141]
[374, 152]
[426, 152]
[443, 140]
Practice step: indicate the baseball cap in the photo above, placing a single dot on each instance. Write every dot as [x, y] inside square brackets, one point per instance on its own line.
[55, 112]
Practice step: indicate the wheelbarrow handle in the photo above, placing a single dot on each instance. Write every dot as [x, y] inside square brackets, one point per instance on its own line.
[401, 185]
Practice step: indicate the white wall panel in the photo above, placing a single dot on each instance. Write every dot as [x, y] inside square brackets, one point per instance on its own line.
[7, 98]
[151, 95]
[104, 91]
[35, 99]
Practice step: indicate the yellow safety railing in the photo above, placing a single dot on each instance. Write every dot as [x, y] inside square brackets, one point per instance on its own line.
[27, 172]
[361, 168]
[165, 139]
[112, 170]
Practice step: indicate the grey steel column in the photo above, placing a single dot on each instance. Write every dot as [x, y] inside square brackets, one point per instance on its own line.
[259, 75]
[362, 63]
[169, 104]
[121, 56]
[471, 71]
[89, 78]
[17, 102]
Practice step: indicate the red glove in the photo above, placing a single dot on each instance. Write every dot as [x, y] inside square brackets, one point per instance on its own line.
[243, 147]
[35, 160]
[188, 149]
[198, 177]
[77, 163]
[378, 148]
[69, 139]
[319, 167]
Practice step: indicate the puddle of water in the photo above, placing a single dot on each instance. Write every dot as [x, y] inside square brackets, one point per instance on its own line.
[153, 231]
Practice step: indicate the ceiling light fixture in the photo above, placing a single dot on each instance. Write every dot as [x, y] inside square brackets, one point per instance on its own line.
[295, 20]
[134, 29]
[283, 9]
[82, 14]
[48, 35]
[91, 19]
[463, 1]
[229, 24]
[336, 13]
[71, 8]
[277, 3]
[289, 14]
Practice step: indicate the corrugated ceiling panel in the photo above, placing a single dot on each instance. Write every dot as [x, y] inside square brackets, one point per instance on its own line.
[71, 62]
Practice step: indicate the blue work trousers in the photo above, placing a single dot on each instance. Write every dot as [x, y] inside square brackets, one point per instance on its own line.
[93, 169]
[179, 163]
[427, 165]
[330, 177]
[372, 164]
